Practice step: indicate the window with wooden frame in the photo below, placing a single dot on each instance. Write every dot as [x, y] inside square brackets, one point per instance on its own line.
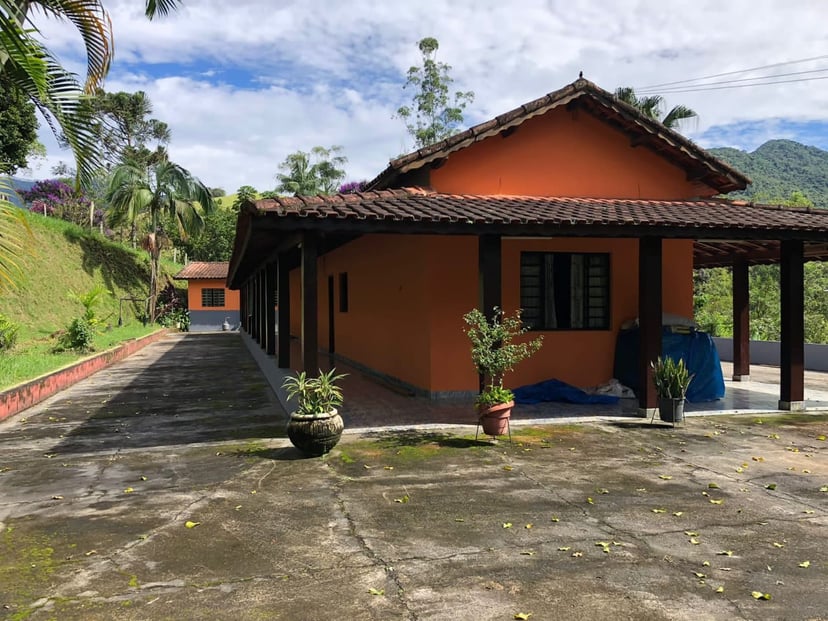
[343, 292]
[565, 290]
[212, 298]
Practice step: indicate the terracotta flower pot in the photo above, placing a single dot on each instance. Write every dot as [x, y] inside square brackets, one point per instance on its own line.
[495, 418]
[315, 435]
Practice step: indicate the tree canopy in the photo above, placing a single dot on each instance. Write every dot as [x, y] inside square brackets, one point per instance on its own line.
[309, 174]
[18, 126]
[122, 128]
[434, 113]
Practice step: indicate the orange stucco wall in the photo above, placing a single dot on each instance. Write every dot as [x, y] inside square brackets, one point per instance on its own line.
[386, 326]
[564, 153]
[408, 294]
[582, 357]
[194, 287]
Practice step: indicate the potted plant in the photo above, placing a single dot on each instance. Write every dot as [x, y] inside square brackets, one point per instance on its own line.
[671, 380]
[315, 426]
[494, 353]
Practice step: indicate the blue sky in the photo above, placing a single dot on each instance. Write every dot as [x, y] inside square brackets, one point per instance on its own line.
[242, 85]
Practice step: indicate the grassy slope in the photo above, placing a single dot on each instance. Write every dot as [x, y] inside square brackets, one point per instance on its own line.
[68, 259]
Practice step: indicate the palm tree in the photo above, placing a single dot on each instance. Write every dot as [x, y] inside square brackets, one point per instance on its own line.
[162, 188]
[652, 105]
[53, 89]
[309, 174]
[29, 65]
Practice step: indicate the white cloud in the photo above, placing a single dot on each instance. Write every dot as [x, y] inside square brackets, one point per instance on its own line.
[327, 72]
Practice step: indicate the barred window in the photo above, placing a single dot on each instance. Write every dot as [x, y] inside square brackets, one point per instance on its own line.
[565, 290]
[212, 298]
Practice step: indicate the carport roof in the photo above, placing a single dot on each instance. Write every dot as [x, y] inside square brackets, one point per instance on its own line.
[265, 225]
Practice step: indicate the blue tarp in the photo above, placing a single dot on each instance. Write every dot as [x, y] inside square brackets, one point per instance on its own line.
[556, 390]
[697, 349]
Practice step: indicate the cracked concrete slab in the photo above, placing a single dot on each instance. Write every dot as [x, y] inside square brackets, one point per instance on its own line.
[621, 520]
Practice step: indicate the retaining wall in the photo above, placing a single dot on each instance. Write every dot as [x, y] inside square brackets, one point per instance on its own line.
[23, 396]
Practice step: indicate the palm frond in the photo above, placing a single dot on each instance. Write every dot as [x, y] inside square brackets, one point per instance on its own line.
[15, 236]
[55, 91]
[627, 95]
[93, 23]
[160, 7]
[678, 114]
[651, 106]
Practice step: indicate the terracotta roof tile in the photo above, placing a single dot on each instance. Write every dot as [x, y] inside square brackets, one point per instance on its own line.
[198, 270]
[669, 143]
[412, 205]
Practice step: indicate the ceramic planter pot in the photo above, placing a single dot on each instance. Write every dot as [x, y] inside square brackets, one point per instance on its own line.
[316, 434]
[671, 410]
[495, 418]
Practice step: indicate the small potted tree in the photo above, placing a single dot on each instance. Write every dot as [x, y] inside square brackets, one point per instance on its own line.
[494, 353]
[671, 380]
[315, 426]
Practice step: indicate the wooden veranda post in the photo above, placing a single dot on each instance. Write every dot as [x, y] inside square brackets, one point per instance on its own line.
[489, 261]
[741, 321]
[792, 299]
[649, 319]
[310, 304]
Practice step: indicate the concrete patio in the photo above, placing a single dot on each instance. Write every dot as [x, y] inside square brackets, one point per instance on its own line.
[163, 488]
[372, 403]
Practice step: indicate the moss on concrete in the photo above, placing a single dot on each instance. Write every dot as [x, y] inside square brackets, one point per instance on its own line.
[27, 564]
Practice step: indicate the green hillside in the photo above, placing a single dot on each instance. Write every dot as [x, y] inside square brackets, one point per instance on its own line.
[66, 259]
[778, 168]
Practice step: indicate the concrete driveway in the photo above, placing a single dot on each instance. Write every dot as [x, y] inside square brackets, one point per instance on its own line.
[593, 521]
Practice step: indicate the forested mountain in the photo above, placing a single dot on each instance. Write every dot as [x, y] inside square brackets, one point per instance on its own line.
[778, 168]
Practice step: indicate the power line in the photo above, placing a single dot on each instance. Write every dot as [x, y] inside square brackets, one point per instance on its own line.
[701, 87]
[724, 82]
[719, 75]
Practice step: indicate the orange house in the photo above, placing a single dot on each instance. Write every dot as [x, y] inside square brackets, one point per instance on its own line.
[574, 207]
[209, 301]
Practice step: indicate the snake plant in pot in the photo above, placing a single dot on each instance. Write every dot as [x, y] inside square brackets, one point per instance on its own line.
[671, 380]
[494, 353]
[315, 426]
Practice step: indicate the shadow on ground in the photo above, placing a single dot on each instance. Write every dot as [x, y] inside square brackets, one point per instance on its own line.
[195, 389]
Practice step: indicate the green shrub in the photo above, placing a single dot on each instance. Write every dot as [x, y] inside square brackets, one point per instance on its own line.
[79, 337]
[8, 333]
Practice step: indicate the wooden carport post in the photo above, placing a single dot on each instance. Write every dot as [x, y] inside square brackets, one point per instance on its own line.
[649, 320]
[792, 302]
[270, 309]
[254, 306]
[489, 255]
[310, 304]
[741, 321]
[263, 307]
[283, 286]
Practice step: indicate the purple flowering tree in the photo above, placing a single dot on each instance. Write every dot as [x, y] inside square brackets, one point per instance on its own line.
[352, 187]
[53, 197]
